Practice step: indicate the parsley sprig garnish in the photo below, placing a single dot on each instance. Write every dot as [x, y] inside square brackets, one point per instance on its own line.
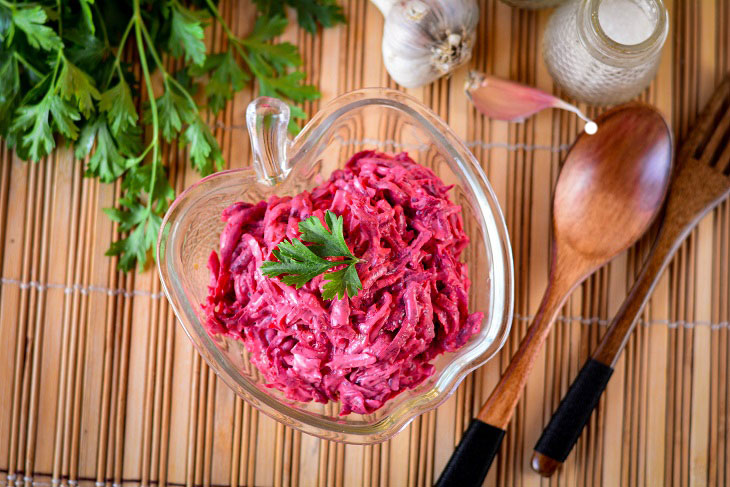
[98, 73]
[298, 263]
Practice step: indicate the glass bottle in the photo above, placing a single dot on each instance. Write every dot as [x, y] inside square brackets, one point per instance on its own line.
[605, 51]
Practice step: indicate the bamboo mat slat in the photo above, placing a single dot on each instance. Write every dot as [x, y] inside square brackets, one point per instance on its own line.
[99, 384]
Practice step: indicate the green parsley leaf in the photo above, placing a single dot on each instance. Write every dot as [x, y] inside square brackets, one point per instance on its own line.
[9, 89]
[89, 53]
[119, 107]
[30, 20]
[186, 34]
[129, 142]
[299, 264]
[74, 83]
[310, 13]
[140, 222]
[174, 109]
[186, 81]
[106, 163]
[204, 149]
[33, 122]
[130, 249]
[340, 282]
[138, 178]
[279, 55]
[267, 27]
[326, 243]
[6, 22]
[290, 85]
[137, 244]
[64, 115]
[226, 78]
[134, 214]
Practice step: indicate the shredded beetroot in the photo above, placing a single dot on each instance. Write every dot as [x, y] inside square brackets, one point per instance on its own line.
[363, 350]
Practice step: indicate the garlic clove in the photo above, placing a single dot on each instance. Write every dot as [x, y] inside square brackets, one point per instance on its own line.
[514, 102]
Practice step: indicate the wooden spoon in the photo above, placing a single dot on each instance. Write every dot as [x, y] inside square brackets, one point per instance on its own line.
[702, 181]
[610, 189]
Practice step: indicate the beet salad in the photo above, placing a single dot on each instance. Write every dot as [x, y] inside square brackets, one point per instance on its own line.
[348, 292]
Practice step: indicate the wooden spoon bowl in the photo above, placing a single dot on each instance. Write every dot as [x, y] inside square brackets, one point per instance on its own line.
[611, 185]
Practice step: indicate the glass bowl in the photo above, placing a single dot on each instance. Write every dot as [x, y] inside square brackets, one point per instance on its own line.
[381, 119]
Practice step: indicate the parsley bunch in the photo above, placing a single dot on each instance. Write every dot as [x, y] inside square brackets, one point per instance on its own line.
[299, 263]
[83, 70]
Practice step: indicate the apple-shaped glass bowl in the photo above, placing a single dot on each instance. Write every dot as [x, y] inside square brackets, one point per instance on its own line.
[381, 119]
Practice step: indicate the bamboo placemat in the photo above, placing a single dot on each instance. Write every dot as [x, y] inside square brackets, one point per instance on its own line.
[99, 384]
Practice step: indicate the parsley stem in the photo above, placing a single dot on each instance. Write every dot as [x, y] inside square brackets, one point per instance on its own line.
[219, 18]
[118, 56]
[102, 24]
[138, 25]
[153, 51]
[184, 92]
[25, 62]
[156, 57]
[144, 153]
[59, 58]
[166, 77]
[60, 22]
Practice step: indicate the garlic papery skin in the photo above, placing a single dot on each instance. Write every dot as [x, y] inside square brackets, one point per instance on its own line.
[384, 5]
[425, 39]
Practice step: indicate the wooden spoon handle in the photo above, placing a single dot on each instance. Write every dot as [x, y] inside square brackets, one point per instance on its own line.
[478, 447]
[498, 409]
[469, 464]
[574, 411]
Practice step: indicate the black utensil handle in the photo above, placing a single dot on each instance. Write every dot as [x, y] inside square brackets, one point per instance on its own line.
[574, 411]
[470, 462]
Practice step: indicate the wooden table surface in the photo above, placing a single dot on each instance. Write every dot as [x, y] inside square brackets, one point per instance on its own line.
[99, 384]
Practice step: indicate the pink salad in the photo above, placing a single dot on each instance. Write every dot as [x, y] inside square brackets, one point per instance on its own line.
[360, 350]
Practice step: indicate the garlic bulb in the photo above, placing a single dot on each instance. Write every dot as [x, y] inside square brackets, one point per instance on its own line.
[426, 39]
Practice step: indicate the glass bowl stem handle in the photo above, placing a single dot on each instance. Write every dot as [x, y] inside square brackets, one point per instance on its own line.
[267, 120]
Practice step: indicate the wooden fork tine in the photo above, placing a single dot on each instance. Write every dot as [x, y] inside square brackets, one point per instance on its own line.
[713, 147]
[694, 145]
[723, 162]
